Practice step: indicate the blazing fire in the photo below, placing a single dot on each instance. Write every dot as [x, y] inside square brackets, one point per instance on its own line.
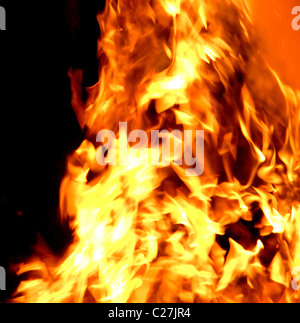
[150, 233]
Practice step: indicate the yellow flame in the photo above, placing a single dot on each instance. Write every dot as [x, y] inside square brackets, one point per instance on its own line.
[146, 233]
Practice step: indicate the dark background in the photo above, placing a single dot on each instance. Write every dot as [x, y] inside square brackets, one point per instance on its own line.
[38, 126]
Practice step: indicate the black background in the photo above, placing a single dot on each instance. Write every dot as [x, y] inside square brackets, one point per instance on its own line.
[38, 126]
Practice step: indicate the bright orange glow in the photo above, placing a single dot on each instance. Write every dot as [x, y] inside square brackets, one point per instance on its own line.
[149, 233]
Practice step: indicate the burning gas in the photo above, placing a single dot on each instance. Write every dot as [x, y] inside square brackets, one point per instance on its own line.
[149, 233]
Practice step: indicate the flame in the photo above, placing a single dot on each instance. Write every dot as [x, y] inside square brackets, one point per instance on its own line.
[149, 233]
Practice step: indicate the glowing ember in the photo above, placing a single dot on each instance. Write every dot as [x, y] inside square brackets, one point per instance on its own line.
[149, 233]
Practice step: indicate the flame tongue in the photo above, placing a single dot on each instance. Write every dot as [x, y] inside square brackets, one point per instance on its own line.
[149, 233]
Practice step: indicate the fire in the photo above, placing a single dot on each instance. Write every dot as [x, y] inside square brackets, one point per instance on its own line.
[149, 233]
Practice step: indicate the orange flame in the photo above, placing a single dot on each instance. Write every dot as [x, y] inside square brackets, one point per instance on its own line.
[149, 233]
